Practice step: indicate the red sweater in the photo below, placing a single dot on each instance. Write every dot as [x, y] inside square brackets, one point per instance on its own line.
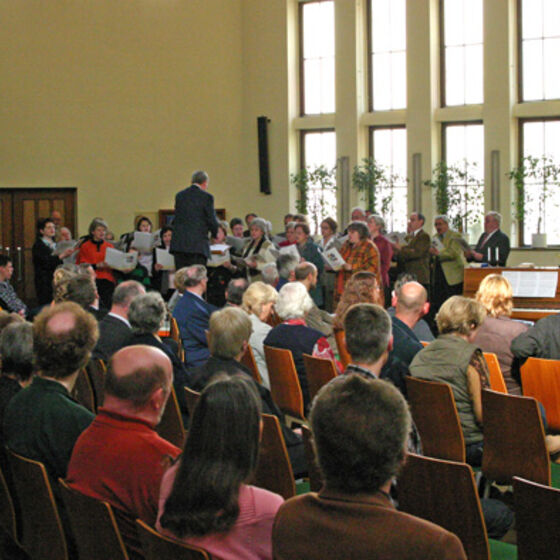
[92, 253]
[121, 459]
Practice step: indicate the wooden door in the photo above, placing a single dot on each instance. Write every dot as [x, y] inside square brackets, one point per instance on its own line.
[20, 210]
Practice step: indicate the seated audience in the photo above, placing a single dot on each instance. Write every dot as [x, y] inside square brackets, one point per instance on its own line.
[43, 422]
[81, 290]
[421, 329]
[235, 290]
[229, 334]
[9, 318]
[192, 313]
[286, 265]
[258, 250]
[310, 253]
[269, 275]
[146, 314]
[453, 359]
[9, 300]
[542, 340]
[258, 302]
[497, 332]
[44, 259]
[326, 242]
[92, 251]
[120, 458]
[294, 303]
[114, 328]
[359, 254]
[362, 287]
[206, 499]
[360, 428]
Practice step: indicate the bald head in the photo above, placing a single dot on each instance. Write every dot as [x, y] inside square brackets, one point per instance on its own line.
[411, 298]
[135, 373]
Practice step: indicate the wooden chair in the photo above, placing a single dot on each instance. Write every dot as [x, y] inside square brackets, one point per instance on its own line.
[497, 382]
[175, 334]
[171, 426]
[83, 391]
[319, 372]
[274, 471]
[192, 398]
[159, 547]
[42, 534]
[248, 360]
[433, 408]
[537, 520]
[343, 353]
[540, 379]
[8, 518]
[424, 343]
[96, 371]
[93, 525]
[445, 493]
[514, 442]
[314, 473]
[284, 382]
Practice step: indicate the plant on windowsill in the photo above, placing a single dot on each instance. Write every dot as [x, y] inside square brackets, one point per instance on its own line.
[545, 173]
[376, 183]
[323, 180]
[459, 194]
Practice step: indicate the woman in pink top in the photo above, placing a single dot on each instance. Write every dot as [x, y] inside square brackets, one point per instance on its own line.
[204, 499]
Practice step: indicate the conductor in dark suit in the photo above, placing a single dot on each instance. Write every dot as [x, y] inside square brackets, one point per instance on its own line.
[194, 219]
[493, 244]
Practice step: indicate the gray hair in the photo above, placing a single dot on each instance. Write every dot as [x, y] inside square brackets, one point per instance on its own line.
[126, 292]
[442, 217]
[286, 263]
[16, 350]
[358, 209]
[199, 177]
[269, 273]
[291, 225]
[259, 223]
[147, 312]
[95, 223]
[190, 276]
[496, 215]
[378, 220]
[294, 302]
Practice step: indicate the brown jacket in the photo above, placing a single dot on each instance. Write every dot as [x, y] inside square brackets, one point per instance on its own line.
[414, 258]
[336, 525]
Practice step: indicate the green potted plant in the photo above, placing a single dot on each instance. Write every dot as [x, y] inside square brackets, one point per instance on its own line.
[545, 173]
[375, 182]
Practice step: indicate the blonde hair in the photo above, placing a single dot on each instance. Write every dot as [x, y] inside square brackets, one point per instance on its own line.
[460, 315]
[257, 295]
[229, 329]
[496, 295]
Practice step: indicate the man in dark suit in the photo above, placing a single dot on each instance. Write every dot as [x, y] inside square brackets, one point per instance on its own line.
[192, 313]
[114, 328]
[360, 426]
[194, 218]
[493, 244]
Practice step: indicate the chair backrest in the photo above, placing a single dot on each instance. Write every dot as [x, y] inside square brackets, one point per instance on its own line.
[93, 525]
[159, 547]
[319, 372]
[248, 360]
[540, 379]
[96, 370]
[192, 398]
[8, 517]
[42, 535]
[424, 343]
[497, 382]
[514, 443]
[313, 471]
[83, 391]
[175, 334]
[274, 471]
[537, 520]
[343, 353]
[433, 408]
[171, 426]
[445, 493]
[284, 382]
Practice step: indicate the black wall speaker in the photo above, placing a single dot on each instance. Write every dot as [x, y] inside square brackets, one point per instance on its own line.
[262, 129]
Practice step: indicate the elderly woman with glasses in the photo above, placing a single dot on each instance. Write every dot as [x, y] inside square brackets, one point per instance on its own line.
[359, 254]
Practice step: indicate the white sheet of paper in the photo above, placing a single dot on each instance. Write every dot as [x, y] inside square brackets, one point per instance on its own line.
[143, 241]
[119, 260]
[219, 249]
[61, 246]
[532, 283]
[333, 258]
[165, 258]
[236, 242]
[290, 250]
